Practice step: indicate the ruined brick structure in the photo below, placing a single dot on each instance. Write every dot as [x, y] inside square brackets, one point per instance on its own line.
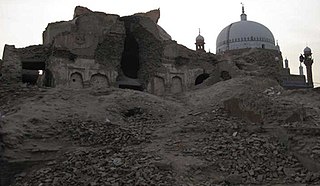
[95, 49]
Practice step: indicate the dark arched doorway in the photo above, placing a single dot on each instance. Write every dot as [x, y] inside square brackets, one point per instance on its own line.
[201, 78]
[130, 57]
[31, 71]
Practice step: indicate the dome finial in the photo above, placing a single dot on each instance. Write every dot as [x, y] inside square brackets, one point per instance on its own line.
[242, 8]
[199, 31]
[243, 15]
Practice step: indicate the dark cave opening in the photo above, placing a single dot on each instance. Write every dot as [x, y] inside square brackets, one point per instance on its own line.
[31, 71]
[201, 78]
[130, 57]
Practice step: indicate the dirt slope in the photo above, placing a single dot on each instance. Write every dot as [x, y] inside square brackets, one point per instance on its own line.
[240, 131]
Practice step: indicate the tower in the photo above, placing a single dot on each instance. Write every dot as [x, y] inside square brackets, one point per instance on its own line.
[301, 70]
[306, 58]
[286, 63]
[200, 43]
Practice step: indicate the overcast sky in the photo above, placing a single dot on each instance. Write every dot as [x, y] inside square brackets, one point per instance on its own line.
[294, 23]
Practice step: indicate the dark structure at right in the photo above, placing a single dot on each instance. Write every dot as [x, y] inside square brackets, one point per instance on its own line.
[308, 61]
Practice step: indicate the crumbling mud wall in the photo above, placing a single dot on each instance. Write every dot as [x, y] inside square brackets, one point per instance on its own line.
[63, 69]
[92, 47]
[11, 67]
[150, 47]
[129, 52]
[255, 62]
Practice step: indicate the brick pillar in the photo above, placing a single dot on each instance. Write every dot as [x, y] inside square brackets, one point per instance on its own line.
[11, 66]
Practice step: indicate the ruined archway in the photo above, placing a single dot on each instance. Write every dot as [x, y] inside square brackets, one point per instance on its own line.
[201, 78]
[99, 81]
[31, 71]
[76, 80]
[225, 75]
[130, 57]
[176, 85]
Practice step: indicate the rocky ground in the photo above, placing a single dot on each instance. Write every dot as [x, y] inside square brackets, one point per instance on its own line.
[243, 131]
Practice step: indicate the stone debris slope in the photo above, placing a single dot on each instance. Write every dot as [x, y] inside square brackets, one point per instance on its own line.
[241, 131]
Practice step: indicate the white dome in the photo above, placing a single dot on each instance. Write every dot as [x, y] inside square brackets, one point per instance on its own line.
[200, 38]
[245, 34]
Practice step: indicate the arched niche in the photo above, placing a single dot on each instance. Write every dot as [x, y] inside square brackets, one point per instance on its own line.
[176, 85]
[76, 80]
[99, 81]
[158, 86]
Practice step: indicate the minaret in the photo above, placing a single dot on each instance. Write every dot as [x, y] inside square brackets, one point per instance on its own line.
[243, 16]
[286, 63]
[306, 58]
[301, 70]
[278, 47]
[200, 43]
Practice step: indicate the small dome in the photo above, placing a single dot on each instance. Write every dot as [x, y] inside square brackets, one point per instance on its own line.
[200, 38]
[307, 50]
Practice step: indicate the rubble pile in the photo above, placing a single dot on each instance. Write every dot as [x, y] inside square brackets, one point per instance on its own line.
[10, 94]
[241, 153]
[101, 166]
[91, 133]
[108, 154]
[134, 138]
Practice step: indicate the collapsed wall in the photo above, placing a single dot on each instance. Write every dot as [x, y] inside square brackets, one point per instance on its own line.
[95, 49]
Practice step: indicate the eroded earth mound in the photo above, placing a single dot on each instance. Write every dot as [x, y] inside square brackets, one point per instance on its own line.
[241, 131]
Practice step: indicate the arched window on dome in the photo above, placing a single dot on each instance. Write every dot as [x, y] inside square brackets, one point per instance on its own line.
[242, 39]
[248, 38]
[251, 38]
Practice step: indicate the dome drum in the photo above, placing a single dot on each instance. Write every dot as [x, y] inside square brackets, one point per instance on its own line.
[245, 44]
